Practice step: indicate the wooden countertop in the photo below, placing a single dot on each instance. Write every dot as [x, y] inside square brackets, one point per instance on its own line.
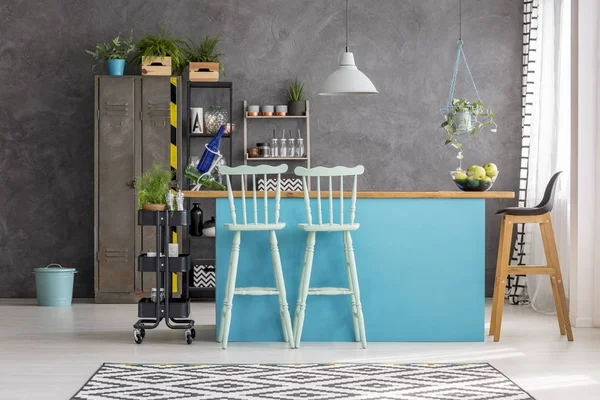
[362, 195]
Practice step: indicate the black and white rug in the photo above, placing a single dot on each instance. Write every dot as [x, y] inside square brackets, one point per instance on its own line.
[300, 381]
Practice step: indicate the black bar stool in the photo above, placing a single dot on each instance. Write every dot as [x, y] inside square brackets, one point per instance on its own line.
[539, 214]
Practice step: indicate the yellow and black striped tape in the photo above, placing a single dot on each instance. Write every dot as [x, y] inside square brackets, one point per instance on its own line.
[173, 158]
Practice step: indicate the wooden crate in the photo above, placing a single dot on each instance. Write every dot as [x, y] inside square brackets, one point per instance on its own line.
[156, 66]
[209, 72]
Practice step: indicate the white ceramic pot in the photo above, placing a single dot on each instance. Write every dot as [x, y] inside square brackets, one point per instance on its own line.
[253, 109]
[281, 109]
[209, 231]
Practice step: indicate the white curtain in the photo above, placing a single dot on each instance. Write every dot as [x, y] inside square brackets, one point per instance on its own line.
[549, 150]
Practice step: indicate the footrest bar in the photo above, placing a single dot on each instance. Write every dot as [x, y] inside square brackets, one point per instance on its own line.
[329, 291]
[256, 291]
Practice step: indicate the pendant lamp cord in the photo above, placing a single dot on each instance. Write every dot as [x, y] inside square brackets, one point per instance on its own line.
[347, 28]
[459, 20]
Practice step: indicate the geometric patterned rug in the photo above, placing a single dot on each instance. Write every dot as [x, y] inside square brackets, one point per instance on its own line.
[478, 381]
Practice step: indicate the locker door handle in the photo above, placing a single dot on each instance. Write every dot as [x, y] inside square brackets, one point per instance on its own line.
[131, 184]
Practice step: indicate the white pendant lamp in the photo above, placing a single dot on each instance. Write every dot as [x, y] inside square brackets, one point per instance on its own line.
[347, 79]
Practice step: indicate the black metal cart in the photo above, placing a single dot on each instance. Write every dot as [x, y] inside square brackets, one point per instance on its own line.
[174, 311]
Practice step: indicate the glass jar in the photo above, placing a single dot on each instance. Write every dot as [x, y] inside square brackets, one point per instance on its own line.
[300, 147]
[264, 150]
[214, 117]
[274, 147]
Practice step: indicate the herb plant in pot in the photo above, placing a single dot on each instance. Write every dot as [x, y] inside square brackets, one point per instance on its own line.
[204, 59]
[160, 54]
[296, 101]
[466, 118]
[153, 186]
[114, 53]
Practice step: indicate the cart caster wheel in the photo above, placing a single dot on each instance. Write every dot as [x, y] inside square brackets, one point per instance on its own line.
[143, 333]
[188, 337]
[138, 337]
[193, 331]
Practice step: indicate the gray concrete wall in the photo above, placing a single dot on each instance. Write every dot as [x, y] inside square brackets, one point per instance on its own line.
[406, 47]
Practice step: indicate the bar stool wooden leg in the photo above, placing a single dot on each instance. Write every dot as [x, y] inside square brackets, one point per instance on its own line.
[304, 284]
[497, 279]
[284, 312]
[558, 289]
[230, 289]
[503, 262]
[350, 286]
[356, 291]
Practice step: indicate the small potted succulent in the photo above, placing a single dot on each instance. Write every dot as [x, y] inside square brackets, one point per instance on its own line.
[204, 59]
[296, 101]
[160, 54]
[114, 53]
[153, 186]
[464, 117]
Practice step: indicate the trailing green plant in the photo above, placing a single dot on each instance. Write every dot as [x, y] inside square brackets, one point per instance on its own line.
[205, 51]
[114, 50]
[153, 185]
[162, 45]
[476, 110]
[295, 91]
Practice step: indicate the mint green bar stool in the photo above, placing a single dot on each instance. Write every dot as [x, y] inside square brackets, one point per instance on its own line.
[345, 228]
[244, 172]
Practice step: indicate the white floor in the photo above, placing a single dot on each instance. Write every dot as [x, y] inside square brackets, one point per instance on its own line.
[49, 353]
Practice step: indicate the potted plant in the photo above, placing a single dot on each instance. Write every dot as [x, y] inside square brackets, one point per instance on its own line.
[114, 53]
[153, 186]
[465, 117]
[204, 59]
[160, 54]
[296, 101]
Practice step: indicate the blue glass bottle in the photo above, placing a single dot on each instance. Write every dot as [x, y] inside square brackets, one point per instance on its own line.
[211, 151]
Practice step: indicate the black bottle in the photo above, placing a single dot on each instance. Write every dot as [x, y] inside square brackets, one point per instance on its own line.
[196, 225]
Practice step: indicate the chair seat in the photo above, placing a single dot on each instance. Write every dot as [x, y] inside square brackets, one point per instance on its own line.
[255, 227]
[329, 227]
[523, 211]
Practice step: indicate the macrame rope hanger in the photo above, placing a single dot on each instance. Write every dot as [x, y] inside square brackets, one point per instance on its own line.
[459, 54]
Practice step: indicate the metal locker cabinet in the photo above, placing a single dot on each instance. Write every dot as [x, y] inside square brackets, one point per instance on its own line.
[114, 189]
[132, 130]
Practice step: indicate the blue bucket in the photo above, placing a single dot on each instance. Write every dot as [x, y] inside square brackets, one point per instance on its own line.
[54, 285]
[116, 66]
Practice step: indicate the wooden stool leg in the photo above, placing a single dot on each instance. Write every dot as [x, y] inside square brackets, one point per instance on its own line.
[304, 283]
[497, 292]
[503, 262]
[351, 287]
[356, 291]
[286, 321]
[558, 289]
[230, 289]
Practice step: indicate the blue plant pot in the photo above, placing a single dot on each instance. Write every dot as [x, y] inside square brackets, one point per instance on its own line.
[115, 67]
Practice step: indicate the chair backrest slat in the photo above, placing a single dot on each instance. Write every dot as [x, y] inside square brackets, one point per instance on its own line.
[243, 172]
[307, 202]
[244, 199]
[330, 200]
[319, 172]
[319, 200]
[231, 203]
[265, 198]
[341, 199]
[254, 198]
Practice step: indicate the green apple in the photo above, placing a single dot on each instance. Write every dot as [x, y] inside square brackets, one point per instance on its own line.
[476, 171]
[486, 180]
[472, 182]
[461, 176]
[491, 169]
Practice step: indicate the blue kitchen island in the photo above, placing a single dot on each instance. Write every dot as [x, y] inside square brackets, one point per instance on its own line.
[420, 258]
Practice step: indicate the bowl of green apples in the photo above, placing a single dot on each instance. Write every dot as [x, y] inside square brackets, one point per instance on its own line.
[476, 178]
